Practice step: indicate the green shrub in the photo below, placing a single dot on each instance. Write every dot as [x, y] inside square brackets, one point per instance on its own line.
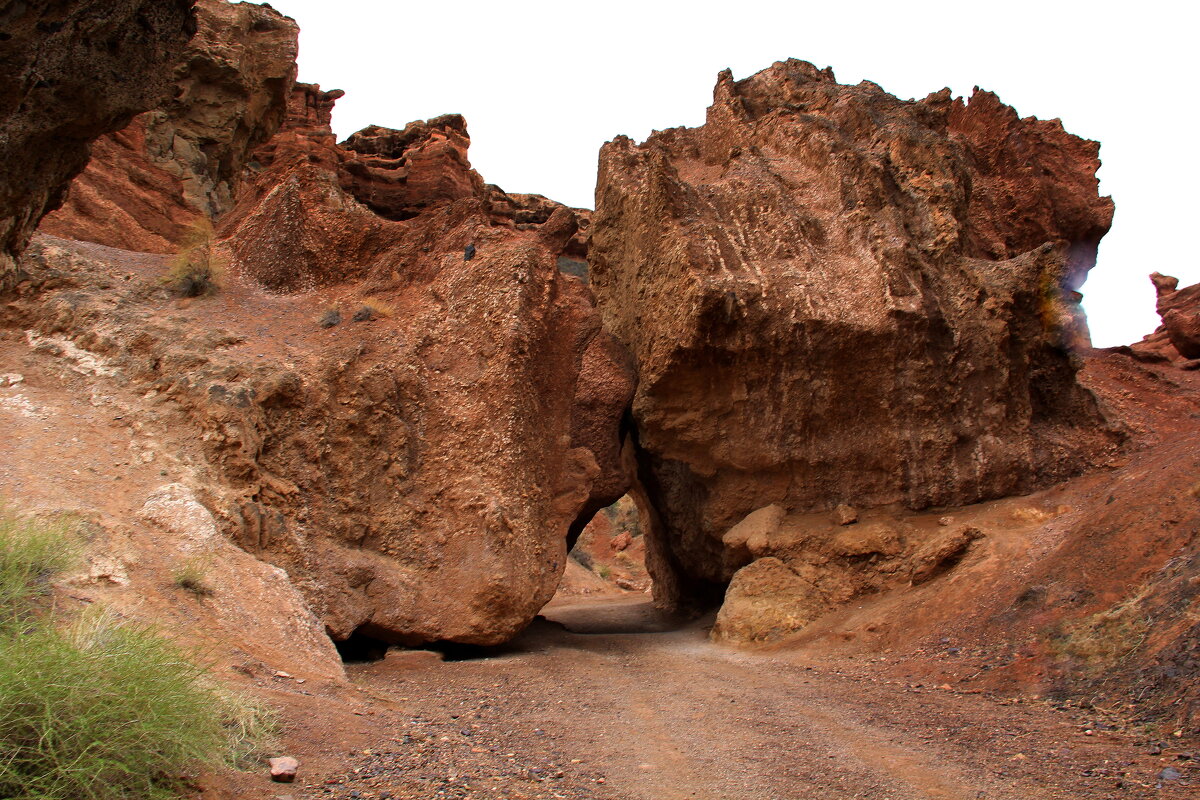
[102, 709]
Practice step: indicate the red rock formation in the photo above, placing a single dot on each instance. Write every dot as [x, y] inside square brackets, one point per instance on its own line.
[146, 184]
[397, 174]
[1031, 183]
[446, 406]
[1178, 337]
[327, 208]
[825, 305]
[69, 73]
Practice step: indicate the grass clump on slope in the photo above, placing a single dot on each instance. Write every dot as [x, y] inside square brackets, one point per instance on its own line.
[100, 709]
[197, 269]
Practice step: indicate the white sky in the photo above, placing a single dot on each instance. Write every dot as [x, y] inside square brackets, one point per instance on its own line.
[544, 84]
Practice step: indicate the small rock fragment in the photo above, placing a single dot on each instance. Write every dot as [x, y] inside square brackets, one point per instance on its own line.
[845, 515]
[283, 769]
[1169, 774]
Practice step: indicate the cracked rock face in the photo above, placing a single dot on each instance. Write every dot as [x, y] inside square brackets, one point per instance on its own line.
[69, 73]
[829, 302]
[490, 394]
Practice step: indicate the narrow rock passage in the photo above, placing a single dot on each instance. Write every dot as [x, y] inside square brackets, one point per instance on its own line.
[654, 714]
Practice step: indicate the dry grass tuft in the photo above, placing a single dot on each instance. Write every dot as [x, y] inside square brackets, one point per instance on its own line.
[1106, 638]
[192, 576]
[197, 269]
[372, 308]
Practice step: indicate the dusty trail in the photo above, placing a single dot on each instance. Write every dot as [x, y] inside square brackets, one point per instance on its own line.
[653, 714]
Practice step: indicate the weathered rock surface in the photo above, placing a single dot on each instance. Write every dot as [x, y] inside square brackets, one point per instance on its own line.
[397, 173]
[826, 305]
[765, 602]
[417, 463]
[69, 73]
[148, 182]
[1031, 183]
[828, 561]
[327, 208]
[1178, 337]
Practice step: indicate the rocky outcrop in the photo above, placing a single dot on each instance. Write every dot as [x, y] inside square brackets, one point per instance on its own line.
[826, 305]
[397, 174]
[440, 407]
[328, 208]
[1031, 183]
[1179, 335]
[147, 183]
[69, 73]
[510, 394]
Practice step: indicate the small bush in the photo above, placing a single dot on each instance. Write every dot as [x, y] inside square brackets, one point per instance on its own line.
[604, 571]
[331, 317]
[197, 268]
[192, 576]
[101, 710]
[1106, 638]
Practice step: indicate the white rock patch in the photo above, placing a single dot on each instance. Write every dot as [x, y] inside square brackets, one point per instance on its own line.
[174, 508]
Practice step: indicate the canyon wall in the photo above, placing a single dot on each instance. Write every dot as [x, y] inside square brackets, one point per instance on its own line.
[831, 300]
[151, 180]
[69, 73]
[402, 396]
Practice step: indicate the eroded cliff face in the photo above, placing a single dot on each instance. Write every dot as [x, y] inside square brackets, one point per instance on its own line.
[830, 301]
[69, 73]
[149, 181]
[400, 396]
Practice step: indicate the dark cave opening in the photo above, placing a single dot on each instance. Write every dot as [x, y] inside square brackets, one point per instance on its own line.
[361, 648]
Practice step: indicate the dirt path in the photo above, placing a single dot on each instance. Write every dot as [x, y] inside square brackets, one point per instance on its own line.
[653, 714]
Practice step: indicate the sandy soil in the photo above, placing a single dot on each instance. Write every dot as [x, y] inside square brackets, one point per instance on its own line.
[607, 700]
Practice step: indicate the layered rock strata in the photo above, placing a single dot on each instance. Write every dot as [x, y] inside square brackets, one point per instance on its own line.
[150, 181]
[69, 73]
[831, 300]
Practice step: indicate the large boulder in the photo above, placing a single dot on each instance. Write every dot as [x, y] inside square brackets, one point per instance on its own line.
[830, 302]
[147, 183]
[451, 457]
[71, 71]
